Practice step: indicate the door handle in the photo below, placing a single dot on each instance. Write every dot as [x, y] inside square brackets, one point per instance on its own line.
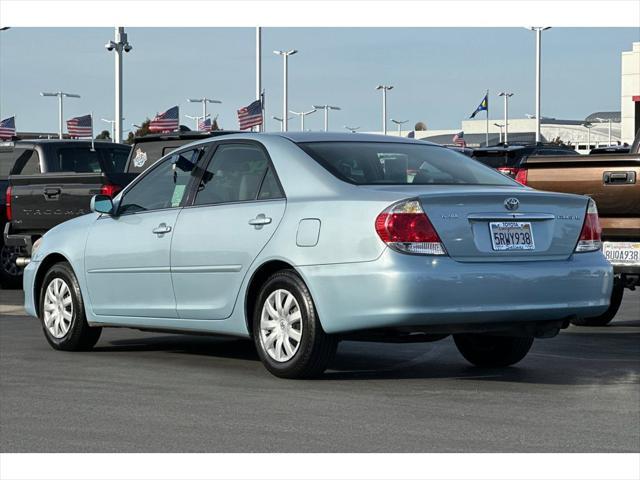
[260, 220]
[162, 229]
[619, 178]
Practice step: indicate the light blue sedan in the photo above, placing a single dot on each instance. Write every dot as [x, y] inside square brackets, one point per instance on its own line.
[302, 240]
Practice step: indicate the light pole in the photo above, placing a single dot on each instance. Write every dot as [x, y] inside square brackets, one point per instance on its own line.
[352, 129]
[506, 96]
[326, 109]
[60, 96]
[278, 119]
[538, 31]
[500, 126]
[197, 120]
[113, 126]
[119, 45]
[399, 123]
[602, 120]
[302, 115]
[384, 89]
[285, 96]
[204, 102]
[588, 126]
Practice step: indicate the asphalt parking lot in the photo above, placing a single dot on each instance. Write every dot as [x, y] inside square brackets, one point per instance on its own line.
[142, 392]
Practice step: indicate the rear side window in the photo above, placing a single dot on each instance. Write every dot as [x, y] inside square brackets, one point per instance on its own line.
[114, 159]
[20, 161]
[79, 160]
[235, 174]
[379, 163]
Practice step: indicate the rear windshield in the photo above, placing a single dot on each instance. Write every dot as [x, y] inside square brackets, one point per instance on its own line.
[85, 160]
[376, 163]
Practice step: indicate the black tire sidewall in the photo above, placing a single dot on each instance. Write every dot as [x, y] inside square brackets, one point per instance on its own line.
[290, 281]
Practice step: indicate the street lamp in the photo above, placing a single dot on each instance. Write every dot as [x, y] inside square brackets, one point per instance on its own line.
[351, 129]
[119, 45]
[500, 126]
[113, 126]
[399, 123]
[588, 126]
[60, 96]
[302, 115]
[603, 120]
[506, 96]
[384, 89]
[538, 31]
[285, 96]
[204, 102]
[278, 119]
[326, 109]
[197, 119]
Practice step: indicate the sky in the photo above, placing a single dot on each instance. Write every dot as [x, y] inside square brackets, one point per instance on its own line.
[439, 74]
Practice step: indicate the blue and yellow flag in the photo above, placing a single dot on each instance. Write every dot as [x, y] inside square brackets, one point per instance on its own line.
[484, 105]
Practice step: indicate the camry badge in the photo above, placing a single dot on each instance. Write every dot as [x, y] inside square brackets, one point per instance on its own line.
[511, 203]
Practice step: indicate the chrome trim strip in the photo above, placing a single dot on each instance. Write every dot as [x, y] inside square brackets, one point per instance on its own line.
[207, 269]
[511, 216]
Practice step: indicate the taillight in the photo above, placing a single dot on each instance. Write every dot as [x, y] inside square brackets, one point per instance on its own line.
[8, 203]
[406, 228]
[521, 176]
[590, 236]
[110, 189]
[518, 174]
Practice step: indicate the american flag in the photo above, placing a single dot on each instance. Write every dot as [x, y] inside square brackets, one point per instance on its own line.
[166, 121]
[80, 126]
[458, 139]
[8, 128]
[251, 115]
[204, 125]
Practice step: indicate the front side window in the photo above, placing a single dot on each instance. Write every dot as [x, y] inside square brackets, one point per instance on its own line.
[379, 163]
[165, 186]
[235, 174]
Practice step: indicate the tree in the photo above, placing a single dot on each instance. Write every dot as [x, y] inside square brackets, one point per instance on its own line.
[140, 132]
[104, 135]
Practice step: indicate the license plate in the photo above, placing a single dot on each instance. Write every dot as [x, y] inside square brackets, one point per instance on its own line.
[622, 253]
[511, 236]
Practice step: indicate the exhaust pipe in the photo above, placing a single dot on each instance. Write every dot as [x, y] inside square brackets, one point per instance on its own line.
[23, 261]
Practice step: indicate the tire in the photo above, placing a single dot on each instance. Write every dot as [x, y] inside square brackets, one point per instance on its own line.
[604, 319]
[296, 319]
[60, 292]
[492, 351]
[10, 274]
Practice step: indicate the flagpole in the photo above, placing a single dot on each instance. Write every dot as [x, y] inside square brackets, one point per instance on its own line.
[487, 111]
[259, 73]
[93, 146]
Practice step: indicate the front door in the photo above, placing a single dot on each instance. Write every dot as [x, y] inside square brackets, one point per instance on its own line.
[127, 258]
[236, 210]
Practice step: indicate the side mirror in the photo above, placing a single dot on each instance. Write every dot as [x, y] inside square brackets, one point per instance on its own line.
[102, 204]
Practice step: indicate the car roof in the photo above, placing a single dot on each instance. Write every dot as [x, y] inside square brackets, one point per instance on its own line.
[57, 141]
[304, 137]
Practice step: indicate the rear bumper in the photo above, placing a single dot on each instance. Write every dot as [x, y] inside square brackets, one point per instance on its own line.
[16, 240]
[411, 291]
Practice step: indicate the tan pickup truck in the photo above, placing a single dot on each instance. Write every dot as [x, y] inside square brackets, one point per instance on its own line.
[613, 181]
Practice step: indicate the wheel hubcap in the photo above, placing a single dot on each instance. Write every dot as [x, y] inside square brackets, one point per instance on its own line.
[281, 325]
[58, 308]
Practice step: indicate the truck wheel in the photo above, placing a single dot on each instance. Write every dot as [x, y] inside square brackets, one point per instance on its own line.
[601, 320]
[286, 329]
[62, 311]
[10, 273]
[492, 351]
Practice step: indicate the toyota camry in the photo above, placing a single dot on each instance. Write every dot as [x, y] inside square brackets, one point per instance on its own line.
[301, 240]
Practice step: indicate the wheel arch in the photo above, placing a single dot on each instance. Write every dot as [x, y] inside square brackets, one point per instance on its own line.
[46, 263]
[259, 276]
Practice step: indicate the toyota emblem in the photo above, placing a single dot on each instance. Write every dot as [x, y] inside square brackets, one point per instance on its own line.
[511, 203]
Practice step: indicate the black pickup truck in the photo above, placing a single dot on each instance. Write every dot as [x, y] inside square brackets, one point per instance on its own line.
[53, 180]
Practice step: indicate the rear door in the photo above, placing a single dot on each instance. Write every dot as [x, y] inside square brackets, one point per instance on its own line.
[237, 208]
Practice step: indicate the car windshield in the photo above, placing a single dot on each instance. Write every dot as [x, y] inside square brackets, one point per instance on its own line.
[373, 163]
